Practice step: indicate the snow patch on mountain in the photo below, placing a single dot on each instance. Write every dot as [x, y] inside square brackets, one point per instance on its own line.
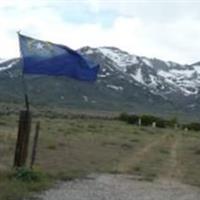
[89, 51]
[119, 88]
[101, 76]
[7, 66]
[182, 73]
[3, 60]
[138, 76]
[165, 74]
[120, 59]
[175, 74]
[104, 75]
[153, 81]
[182, 79]
[147, 62]
[168, 64]
[197, 68]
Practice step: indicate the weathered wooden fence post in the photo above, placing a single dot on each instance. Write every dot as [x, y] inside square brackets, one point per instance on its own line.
[154, 124]
[139, 122]
[34, 148]
[24, 128]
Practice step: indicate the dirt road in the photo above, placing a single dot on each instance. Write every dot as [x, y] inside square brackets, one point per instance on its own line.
[120, 187]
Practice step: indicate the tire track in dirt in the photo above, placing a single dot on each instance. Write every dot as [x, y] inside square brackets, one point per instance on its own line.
[130, 161]
[171, 170]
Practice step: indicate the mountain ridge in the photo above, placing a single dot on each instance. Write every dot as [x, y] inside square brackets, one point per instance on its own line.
[125, 82]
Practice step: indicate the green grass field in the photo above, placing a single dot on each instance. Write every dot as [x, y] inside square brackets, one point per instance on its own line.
[70, 148]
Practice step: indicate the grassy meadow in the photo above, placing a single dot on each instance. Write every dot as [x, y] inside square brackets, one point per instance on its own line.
[73, 147]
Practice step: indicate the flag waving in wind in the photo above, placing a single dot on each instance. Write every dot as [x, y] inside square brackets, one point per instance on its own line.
[45, 58]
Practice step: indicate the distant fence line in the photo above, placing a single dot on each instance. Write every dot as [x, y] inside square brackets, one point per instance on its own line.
[150, 120]
[141, 120]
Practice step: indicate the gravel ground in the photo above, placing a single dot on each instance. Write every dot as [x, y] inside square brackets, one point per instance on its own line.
[120, 187]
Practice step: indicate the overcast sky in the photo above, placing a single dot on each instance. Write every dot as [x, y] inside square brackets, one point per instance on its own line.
[164, 29]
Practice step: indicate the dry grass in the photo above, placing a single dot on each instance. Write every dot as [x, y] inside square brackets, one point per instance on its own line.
[70, 148]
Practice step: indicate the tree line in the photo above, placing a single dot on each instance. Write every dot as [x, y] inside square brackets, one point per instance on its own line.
[151, 120]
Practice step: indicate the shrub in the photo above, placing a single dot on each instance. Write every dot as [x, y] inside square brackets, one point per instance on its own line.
[194, 126]
[124, 117]
[27, 175]
[147, 120]
[131, 119]
[161, 123]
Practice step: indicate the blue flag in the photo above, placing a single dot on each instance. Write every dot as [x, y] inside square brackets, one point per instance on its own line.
[45, 58]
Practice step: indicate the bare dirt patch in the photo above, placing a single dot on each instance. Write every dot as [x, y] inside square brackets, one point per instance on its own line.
[120, 187]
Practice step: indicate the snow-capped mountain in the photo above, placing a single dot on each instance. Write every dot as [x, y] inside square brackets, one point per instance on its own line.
[125, 82]
[159, 76]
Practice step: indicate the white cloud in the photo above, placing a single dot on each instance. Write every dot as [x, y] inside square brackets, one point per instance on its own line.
[177, 40]
[94, 5]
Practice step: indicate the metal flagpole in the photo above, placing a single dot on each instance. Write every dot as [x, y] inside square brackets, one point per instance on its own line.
[25, 90]
[25, 93]
[24, 126]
